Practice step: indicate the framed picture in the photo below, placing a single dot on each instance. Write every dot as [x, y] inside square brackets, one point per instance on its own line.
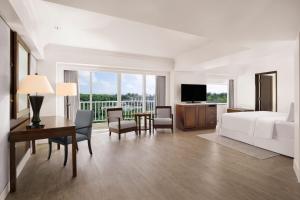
[20, 59]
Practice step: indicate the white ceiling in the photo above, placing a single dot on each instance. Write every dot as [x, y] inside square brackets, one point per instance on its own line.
[190, 31]
[81, 28]
[214, 19]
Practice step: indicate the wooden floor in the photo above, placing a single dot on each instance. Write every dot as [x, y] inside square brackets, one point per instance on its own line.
[164, 166]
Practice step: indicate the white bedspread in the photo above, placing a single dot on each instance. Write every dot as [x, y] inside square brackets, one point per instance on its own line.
[258, 124]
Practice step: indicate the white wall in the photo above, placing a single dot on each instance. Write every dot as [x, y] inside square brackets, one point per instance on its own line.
[297, 110]
[186, 77]
[4, 105]
[242, 66]
[58, 55]
[183, 77]
[280, 60]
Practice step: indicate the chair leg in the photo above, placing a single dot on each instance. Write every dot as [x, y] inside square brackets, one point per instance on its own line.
[77, 146]
[66, 154]
[119, 136]
[90, 147]
[109, 133]
[50, 150]
[58, 146]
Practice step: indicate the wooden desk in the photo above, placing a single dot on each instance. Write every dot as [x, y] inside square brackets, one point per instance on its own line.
[54, 127]
[146, 116]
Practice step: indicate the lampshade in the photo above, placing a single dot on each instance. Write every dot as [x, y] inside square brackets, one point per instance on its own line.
[35, 84]
[66, 89]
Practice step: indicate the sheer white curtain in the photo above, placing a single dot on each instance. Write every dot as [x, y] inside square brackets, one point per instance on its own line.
[71, 77]
[160, 90]
[231, 94]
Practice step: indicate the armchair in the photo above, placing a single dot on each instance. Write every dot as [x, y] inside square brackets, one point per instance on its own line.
[163, 117]
[117, 124]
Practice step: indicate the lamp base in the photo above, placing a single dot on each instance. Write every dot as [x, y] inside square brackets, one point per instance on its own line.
[32, 126]
[36, 104]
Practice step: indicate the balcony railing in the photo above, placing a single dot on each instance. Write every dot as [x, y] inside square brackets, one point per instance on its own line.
[129, 108]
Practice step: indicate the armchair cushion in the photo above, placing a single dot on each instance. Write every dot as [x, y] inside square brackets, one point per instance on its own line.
[114, 115]
[162, 121]
[124, 124]
[164, 112]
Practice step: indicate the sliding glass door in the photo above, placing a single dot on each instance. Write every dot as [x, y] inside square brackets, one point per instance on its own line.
[104, 93]
[85, 90]
[101, 90]
[131, 94]
[150, 93]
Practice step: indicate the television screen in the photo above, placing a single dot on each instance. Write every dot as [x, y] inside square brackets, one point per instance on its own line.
[190, 92]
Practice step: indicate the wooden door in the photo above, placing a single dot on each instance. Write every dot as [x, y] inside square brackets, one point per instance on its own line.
[266, 93]
[190, 117]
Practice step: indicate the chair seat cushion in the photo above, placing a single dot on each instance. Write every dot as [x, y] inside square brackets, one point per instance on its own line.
[162, 121]
[61, 140]
[124, 124]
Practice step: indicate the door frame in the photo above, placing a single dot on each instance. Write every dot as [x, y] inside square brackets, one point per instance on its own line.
[257, 90]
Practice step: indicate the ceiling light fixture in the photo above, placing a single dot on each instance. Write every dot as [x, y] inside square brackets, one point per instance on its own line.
[57, 28]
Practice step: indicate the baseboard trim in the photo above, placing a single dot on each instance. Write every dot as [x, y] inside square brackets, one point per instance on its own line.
[23, 162]
[20, 167]
[297, 170]
[5, 192]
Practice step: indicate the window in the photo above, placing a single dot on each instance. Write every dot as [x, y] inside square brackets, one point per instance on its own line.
[84, 89]
[100, 90]
[132, 94]
[104, 93]
[150, 92]
[217, 93]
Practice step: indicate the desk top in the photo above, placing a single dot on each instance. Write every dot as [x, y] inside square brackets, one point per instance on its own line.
[54, 126]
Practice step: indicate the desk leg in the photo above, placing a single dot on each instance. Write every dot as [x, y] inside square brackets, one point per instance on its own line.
[13, 176]
[74, 161]
[139, 117]
[33, 146]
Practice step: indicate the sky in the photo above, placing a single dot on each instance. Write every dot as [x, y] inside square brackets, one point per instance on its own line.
[212, 88]
[106, 83]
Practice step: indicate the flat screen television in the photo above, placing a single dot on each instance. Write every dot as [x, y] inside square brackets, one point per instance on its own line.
[192, 92]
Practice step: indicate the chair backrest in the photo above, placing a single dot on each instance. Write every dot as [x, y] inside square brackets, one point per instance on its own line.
[113, 114]
[83, 122]
[163, 111]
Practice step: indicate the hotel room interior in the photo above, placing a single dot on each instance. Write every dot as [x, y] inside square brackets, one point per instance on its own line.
[157, 100]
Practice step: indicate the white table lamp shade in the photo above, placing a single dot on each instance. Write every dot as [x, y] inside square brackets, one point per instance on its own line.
[35, 84]
[66, 89]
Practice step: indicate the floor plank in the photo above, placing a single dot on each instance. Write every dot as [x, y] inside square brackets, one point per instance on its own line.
[161, 166]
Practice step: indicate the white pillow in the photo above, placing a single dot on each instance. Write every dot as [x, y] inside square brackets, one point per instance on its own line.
[290, 117]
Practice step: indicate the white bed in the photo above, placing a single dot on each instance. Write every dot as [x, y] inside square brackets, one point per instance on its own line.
[267, 130]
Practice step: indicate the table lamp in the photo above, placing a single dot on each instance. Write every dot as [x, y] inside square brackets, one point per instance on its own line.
[67, 90]
[35, 84]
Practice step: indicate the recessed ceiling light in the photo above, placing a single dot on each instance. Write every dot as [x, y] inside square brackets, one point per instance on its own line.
[57, 28]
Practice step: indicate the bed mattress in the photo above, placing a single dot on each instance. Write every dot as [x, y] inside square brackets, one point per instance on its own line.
[249, 127]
